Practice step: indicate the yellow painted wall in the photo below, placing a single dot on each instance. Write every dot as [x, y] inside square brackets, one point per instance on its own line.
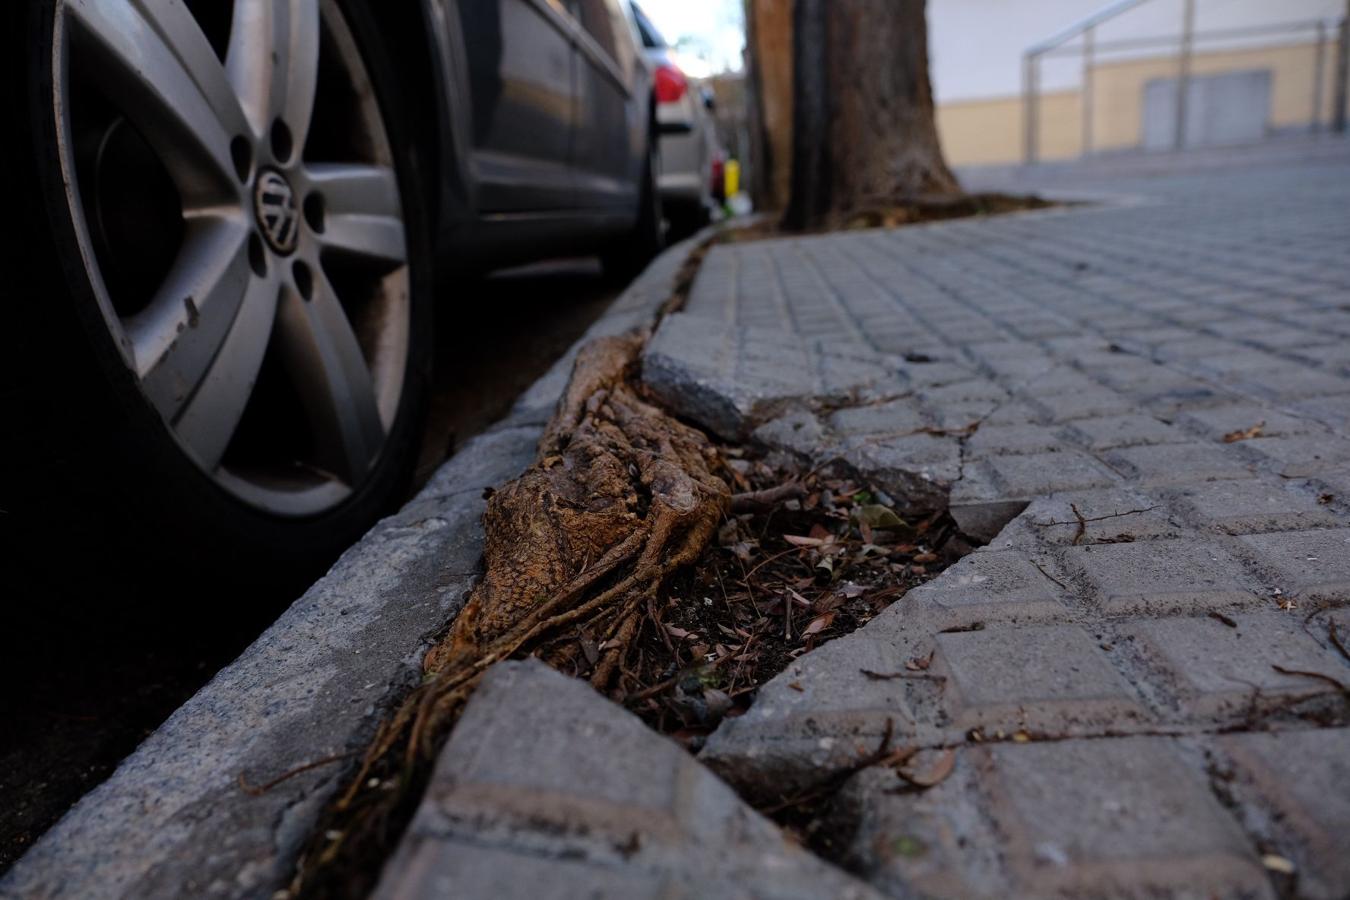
[982, 132]
[986, 132]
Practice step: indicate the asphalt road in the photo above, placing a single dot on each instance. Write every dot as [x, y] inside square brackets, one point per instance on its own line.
[86, 674]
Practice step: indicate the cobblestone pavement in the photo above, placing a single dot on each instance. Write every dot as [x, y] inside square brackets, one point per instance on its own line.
[1139, 673]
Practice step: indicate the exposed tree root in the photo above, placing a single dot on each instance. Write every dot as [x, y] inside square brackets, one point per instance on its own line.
[621, 497]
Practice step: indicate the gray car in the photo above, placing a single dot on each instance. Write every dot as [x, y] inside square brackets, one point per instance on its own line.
[235, 217]
[691, 155]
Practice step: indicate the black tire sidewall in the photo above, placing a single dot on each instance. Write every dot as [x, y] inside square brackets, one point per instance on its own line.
[109, 457]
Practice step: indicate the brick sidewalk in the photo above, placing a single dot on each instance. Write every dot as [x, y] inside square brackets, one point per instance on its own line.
[1134, 689]
[1144, 700]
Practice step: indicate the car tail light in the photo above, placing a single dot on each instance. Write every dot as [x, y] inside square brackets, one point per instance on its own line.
[671, 84]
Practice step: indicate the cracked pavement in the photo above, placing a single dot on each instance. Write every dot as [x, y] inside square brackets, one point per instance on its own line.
[1138, 687]
[1139, 672]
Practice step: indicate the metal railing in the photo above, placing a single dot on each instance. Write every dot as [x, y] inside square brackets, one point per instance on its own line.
[1090, 49]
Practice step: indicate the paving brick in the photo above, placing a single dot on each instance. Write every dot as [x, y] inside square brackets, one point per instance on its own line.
[940, 842]
[1162, 576]
[898, 417]
[1081, 404]
[1295, 383]
[1044, 473]
[1334, 412]
[999, 440]
[1300, 455]
[1052, 680]
[1301, 777]
[1123, 431]
[1116, 817]
[1222, 420]
[1252, 505]
[1216, 670]
[545, 788]
[1174, 464]
[1109, 516]
[972, 389]
[1307, 564]
[993, 586]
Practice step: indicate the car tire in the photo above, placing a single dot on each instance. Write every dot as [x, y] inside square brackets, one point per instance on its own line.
[630, 254]
[97, 467]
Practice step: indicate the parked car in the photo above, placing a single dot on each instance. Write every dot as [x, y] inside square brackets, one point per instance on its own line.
[691, 155]
[235, 217]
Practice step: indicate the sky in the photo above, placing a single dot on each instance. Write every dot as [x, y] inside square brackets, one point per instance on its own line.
[708, 34]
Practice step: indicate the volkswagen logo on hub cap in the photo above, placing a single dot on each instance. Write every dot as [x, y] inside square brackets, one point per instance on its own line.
[274, 205]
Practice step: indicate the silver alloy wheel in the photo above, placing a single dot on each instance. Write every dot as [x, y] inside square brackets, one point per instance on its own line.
[272, 334]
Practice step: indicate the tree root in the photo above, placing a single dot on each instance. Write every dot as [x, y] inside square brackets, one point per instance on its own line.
[621, 496]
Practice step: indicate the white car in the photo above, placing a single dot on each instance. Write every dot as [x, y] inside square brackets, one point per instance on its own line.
[691, 156]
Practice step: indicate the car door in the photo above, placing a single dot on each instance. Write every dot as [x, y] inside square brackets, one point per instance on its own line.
[519, 59]
[608, 145]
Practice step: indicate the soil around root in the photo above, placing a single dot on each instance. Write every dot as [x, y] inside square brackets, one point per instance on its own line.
[824, 556]
[674, 575]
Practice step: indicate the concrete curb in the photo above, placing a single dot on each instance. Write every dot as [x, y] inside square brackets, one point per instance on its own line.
[174, 820]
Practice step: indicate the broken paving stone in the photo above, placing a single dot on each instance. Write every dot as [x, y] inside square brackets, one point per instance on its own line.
[546, 789]
[729, 380]
[886, 444]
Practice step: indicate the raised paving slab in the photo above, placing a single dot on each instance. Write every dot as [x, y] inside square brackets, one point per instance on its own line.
[1120, 670]
[548, 790]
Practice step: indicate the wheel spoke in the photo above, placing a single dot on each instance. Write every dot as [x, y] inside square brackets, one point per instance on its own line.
[176, 338]
[209, 419]
[159, 67]
[362, 216]
[273, 62]
[329, 371]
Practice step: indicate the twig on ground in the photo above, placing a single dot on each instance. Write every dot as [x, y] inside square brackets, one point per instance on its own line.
[892, 676]
[1336, 639]
[260, 789]
[1041, 569]
[1320, 676]
[1082, 521]
[758, 501]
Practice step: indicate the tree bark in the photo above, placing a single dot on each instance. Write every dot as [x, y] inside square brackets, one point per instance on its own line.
[768, 37]
[864, 133]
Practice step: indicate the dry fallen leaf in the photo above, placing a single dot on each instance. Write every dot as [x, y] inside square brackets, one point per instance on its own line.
[1243, 434]
[819, 624]
[935, 773]
[798, 540]
[920, 663]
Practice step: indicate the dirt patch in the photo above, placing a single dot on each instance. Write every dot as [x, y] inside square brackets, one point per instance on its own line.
[912, 213]
[806, 557]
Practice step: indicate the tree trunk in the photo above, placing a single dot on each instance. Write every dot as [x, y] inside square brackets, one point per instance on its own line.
[864, 134]
[768, 35]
